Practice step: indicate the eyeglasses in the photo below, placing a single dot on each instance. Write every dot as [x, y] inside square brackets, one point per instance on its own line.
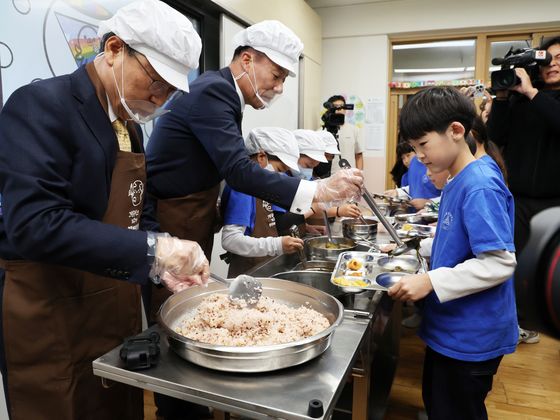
[158, 88]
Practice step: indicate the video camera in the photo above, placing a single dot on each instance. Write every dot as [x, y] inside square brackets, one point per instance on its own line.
[528, 58]
[331, 120]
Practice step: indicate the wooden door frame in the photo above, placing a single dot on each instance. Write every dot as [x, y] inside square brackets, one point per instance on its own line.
[482, 63]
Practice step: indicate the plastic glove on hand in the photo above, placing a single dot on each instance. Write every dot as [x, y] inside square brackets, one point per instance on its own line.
[180, 263]
[343, 185]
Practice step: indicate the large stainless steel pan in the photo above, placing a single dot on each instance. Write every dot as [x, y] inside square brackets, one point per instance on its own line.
[357, 230]
[251, 358]
[316, 247]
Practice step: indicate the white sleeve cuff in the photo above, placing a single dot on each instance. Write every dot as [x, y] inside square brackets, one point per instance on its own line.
[487, 270]
[304, 197]
[278, 246]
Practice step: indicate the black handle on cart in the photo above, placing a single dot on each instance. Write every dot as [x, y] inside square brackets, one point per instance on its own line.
[140, 352]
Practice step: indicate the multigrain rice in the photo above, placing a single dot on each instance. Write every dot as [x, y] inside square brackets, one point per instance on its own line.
[219, 321]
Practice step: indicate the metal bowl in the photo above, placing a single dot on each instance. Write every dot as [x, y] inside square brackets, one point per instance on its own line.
[389, 278]
[316, 247]
[317, 279]
[404, 263]
[315, 265]
[251, 358]
[419, 218]
[356, 229]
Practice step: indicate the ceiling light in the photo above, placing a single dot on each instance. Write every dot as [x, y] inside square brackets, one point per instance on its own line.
[436, 70]
[440, 44]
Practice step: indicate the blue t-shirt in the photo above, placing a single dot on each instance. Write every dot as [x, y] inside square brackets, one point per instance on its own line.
[239, 209]
[492, 163]
[475, 216]
[420, 184]
[404, 179]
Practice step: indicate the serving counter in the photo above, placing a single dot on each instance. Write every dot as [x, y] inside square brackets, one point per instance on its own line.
[364, 347]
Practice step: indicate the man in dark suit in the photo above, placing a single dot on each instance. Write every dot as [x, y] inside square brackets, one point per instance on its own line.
[199, 143]
[72, 180]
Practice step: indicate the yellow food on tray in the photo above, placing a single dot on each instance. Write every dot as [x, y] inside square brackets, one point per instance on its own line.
[354, 264]
[355, 274]
[343, 281]
[407, 227]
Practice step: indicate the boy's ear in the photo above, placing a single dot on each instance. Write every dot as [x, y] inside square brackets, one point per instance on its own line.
[457, 131]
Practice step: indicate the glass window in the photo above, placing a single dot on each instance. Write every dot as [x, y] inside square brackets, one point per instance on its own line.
[498, 49]
[434, 61]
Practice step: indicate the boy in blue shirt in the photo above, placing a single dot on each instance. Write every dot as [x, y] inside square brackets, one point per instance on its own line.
[469, 315]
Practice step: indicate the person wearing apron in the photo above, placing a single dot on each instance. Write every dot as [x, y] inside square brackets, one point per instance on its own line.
[72, 257]
[249, 233]
[199, 143]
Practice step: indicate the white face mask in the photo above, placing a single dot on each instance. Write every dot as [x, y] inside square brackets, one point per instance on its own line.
[268, 97]
[270, 168]
[305, 173]
[139, 110]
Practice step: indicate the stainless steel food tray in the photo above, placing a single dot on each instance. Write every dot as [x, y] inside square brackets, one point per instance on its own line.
[251, 358]
[371, 269]
[417, 230]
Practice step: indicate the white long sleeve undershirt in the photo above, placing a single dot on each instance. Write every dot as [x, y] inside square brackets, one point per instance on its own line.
[474, 275]
[235, 241]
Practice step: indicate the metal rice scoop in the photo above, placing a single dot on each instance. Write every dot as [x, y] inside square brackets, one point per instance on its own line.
[242, 288]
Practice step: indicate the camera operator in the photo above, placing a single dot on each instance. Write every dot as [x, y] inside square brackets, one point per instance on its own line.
[525, 121]
[350, 138]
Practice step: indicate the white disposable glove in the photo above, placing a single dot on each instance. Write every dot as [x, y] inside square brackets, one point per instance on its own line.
[180, 264]
[343, 185]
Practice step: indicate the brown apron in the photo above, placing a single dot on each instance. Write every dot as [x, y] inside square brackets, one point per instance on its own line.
[57, 320]
[265, 226]
[190, 217]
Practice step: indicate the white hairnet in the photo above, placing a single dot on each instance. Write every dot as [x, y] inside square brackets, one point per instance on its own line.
[331, 145]
[274, 141]
[311, 144]
[274, 39]
[165, 36]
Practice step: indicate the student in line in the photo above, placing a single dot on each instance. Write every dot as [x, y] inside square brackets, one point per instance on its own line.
[249, 234]
[469, 316]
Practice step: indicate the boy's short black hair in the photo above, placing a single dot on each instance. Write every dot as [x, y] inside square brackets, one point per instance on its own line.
[433, 109]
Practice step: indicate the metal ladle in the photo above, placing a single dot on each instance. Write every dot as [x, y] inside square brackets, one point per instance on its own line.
[401, 246]
[242, 288]
[327, 226]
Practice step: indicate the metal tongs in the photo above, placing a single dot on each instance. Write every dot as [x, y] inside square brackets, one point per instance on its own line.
[401, 246]
[242, 288]
[294, 233]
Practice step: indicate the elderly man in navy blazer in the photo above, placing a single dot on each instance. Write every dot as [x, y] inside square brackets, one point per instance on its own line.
[199, 143]
[72, 181]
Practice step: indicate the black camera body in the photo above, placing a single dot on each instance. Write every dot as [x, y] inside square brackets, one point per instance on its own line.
[331, 120]
[527, 58]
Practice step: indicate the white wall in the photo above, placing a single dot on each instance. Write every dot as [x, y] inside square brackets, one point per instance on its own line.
[356, 42]
[349, 64]
[300, 18]
[408, 16]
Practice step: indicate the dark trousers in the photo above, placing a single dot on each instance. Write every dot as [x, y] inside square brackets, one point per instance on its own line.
[455, 389]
